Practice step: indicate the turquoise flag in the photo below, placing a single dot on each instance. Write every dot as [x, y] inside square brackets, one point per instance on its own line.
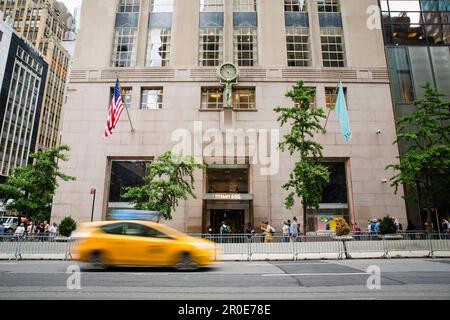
[342, 113]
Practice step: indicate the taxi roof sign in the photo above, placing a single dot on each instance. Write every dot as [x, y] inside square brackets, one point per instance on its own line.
[128, 214]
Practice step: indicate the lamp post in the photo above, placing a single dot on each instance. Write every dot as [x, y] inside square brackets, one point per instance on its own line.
[93, 192]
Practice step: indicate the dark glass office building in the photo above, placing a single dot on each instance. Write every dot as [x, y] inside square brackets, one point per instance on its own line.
[21, 96]
[417, 40]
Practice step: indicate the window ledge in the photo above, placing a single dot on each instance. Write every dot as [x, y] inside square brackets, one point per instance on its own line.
[220, 110]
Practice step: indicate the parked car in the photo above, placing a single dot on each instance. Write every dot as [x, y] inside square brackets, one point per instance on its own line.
[10, 223]
[140, 243]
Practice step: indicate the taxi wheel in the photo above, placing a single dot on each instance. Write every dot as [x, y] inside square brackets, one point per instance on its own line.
[186, 263]
[97, 261]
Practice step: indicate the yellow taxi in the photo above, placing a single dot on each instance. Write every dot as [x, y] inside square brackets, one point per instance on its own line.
[140, 243]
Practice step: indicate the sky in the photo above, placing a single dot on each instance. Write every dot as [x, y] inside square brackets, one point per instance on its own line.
[71, 4]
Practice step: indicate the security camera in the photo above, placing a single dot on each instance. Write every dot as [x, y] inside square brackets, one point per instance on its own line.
[378, 131]
[384, 181]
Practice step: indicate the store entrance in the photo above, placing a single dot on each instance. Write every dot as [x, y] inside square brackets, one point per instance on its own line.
[233, 218]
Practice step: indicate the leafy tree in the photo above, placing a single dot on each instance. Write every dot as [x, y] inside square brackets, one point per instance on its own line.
[170, 178]
[30, 189]
[387, 225]
[309, 174]
[66, 226]
[425, 135]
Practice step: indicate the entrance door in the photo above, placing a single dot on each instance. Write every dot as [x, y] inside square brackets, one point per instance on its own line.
[233, 218]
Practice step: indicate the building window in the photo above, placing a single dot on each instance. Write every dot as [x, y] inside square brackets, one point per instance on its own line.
[245, 46]
[295, 5]
[211, 5]
[125, 174]
[125, 47]
[244, 98]
[244, 5]
[1, 36]
[331, 95]
[151, 98]
[129, 6]
[297, 41]
[333, 53]
[211, 47]
[126, 93]
[161, 5]
[328, 6]
[212, 98]
[158, 47]
[416, 23]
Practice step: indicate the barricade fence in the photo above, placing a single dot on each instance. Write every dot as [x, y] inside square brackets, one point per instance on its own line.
[260, 246]
[36, 246]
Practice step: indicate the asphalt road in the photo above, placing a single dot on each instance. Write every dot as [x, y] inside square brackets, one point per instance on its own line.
[400, 279]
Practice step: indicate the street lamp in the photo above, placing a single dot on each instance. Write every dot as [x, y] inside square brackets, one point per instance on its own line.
[93, 192]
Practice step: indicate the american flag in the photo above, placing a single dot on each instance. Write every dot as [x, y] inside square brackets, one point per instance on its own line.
[115, 111]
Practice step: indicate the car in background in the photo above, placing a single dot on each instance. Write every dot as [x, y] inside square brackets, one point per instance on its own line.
[10, 223]
[140, 243]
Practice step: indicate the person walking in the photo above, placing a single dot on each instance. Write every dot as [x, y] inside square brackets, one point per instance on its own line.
[357, 231]
[269, 232]
[46, 228]
[249, 231]
[53, 230]
[20, 231]
[285, 230]
[2, 231]
[224, 231]
[31, 229]
[294, 229]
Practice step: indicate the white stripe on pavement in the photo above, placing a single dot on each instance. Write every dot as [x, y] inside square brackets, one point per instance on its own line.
[313, 274]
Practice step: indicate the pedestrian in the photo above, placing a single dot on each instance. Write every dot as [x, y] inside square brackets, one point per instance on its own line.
[285, 230]
[20, 231]
[46, 228]
[294, 229]
[268, 231]
[357, 231]
[249, 230]
[2, 231]
[41, 232]
[31, 229]
[53, 230]
[377, 226]
[224, 231]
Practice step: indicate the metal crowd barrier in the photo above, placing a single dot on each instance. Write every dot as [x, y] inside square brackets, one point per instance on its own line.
[36, 246]
[254, 246]
[327, 244]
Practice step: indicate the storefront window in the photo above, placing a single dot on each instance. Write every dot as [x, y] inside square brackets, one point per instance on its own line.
[227, 180]
[125, 174]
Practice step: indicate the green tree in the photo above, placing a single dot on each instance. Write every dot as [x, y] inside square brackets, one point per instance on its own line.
[425, 135]
[66, 226]
[387, 225]
[309, 174]
[170, 178]
[30, 189]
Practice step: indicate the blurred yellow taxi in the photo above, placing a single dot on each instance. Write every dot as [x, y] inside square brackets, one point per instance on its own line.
[140, 243]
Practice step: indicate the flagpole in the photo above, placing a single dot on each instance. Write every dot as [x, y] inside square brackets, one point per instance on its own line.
[335, 96]
[126, 108]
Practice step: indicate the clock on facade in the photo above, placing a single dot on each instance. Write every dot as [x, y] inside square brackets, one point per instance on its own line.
[228, 72]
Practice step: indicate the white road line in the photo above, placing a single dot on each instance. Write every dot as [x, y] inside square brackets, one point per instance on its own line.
[313, 274]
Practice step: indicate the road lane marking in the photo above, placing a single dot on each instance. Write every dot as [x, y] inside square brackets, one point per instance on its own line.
[313, 274]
